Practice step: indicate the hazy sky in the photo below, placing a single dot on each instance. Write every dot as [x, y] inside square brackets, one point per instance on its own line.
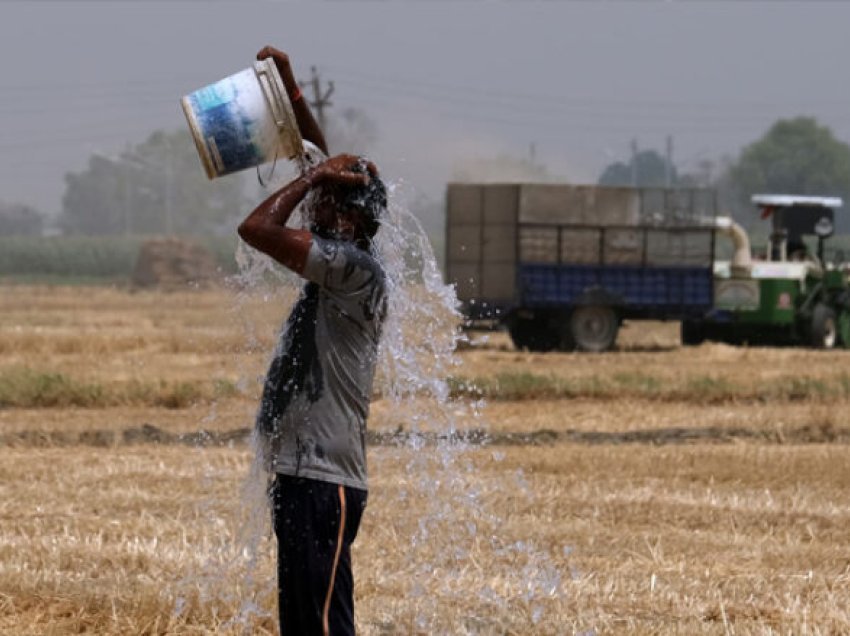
[445, 81]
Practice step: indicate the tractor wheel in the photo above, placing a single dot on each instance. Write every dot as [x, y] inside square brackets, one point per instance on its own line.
[533, 334]
[824, 328]
[594, 327]
[693, 333]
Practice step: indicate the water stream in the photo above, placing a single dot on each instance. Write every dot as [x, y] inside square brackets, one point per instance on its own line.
[444, 546]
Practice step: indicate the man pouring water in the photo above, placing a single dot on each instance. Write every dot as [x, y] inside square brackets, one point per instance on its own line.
[315, 402]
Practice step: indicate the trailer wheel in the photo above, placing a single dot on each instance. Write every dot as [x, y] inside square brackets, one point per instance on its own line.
[693, 333]
[594, 327]
[824, 328]
[534, 334]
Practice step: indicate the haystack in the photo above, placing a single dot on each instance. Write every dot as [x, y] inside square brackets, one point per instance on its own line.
[173, 263]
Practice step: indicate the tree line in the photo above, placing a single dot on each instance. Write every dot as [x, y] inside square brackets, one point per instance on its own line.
[795, 156]
[158, 187]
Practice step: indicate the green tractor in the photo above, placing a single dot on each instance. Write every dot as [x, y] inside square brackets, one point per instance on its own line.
[793, 296]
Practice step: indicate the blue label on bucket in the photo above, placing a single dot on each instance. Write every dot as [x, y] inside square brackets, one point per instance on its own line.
[214, 95]
[233, 121]
[230, 130]
[232, 135]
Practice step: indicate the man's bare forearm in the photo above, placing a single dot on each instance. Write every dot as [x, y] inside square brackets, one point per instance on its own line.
[276, 209]
[265, 228]
[308, 126]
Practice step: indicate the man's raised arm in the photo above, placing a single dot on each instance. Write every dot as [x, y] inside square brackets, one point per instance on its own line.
[265, 227]
[306, 122]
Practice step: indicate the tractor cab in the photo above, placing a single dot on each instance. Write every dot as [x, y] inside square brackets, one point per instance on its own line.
[794, 218]
[793, 296]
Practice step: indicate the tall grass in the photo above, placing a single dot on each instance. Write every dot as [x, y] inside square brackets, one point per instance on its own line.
[700, 389]
[89, 258]
[23, 387]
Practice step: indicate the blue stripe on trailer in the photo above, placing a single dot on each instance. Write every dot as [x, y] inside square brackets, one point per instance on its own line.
[637, 287]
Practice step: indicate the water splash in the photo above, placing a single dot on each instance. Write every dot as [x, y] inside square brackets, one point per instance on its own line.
[455, 506]
[456, 510]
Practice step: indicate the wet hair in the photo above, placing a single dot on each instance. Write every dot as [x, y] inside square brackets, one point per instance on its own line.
[369, 201]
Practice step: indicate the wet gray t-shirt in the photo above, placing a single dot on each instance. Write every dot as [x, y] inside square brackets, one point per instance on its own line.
[317, 391]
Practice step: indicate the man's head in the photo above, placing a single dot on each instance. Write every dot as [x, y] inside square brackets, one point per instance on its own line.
[350, 212]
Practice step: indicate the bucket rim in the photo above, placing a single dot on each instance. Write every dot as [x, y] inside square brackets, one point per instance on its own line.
[197, 137]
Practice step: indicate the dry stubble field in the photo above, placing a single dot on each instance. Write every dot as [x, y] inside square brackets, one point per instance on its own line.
[654, 490]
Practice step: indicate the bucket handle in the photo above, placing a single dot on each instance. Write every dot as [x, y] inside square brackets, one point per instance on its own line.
[272, 87]
[280, 107]
[265, 182]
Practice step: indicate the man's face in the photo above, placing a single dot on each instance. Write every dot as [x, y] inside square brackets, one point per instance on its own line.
[329, 221]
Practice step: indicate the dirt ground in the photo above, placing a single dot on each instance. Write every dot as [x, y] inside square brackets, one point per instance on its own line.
[651, 490]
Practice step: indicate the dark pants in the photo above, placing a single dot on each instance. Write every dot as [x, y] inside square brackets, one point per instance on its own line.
[315, 523]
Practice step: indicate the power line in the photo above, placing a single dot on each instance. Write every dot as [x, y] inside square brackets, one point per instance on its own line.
[586, 122]
[94, 108]
[805, 101]
[186, 81]
[615, 110]
[578, 110]
[465, 106]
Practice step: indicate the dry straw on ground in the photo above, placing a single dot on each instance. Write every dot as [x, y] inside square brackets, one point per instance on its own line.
[557, 526]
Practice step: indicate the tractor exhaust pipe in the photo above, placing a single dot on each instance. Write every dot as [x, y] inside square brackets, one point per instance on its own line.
[742, 259]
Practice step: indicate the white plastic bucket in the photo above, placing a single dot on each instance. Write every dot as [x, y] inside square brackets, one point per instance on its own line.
[243, 121]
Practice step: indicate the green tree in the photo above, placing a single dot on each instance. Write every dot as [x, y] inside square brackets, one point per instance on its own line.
[156, 187]
[796, 156]
[650, 168]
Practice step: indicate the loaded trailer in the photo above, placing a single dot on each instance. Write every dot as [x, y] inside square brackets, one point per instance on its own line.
[561, 267]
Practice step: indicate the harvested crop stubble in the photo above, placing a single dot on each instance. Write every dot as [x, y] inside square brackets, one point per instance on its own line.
[728, 366]
[649, 540]
[111, 520]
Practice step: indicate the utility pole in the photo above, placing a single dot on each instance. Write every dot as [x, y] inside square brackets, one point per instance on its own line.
[668, 164]
[166, 189]
[321, 100]
[125, 199]
[634, 163]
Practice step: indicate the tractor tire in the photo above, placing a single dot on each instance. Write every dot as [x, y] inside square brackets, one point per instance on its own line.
[533, 334]
[693, 333]
[824, 328]
[594, 328]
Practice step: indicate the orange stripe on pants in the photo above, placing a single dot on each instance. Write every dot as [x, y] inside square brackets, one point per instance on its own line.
[325, 627]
